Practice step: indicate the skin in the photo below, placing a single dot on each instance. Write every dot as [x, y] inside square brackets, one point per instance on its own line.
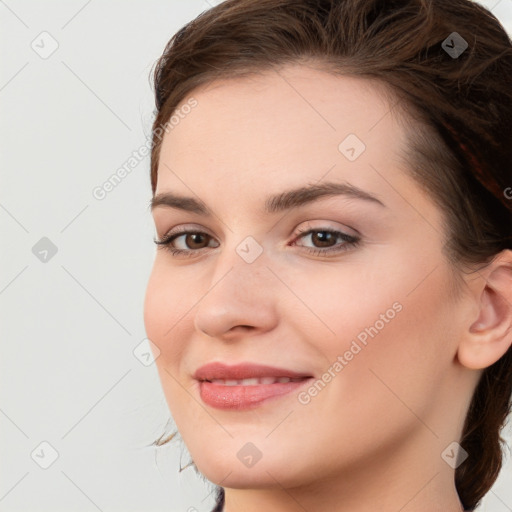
[372, 439]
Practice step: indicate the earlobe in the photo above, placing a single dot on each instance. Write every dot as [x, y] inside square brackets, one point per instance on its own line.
[490, 334]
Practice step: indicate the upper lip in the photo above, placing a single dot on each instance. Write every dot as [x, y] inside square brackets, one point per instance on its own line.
[219, 370]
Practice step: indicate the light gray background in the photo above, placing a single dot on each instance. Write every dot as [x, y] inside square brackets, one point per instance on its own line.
[70, 325]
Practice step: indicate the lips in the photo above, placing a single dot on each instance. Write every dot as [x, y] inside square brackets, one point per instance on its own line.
[220, 371]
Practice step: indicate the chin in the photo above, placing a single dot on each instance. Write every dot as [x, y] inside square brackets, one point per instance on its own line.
[229, 471]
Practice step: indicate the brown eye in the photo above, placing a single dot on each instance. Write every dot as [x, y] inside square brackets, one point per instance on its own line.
[193, 242]
[326, 239]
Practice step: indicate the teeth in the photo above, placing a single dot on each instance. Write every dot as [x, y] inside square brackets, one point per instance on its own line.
[254, 381]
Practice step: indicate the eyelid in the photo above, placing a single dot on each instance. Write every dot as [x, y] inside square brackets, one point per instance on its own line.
[186, 228]
[323, 224]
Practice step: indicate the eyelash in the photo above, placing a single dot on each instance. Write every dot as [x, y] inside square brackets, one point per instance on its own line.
[350, 242]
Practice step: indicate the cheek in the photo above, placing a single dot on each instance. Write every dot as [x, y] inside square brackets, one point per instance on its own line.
[404, 288]
[393, 326]
[165, 307]
[344, 302]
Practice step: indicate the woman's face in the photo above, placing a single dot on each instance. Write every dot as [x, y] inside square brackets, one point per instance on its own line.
[374, 323]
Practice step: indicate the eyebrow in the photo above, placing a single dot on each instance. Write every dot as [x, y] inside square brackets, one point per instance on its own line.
[277, 203]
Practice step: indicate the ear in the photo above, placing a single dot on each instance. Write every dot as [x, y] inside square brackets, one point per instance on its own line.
[489, 335]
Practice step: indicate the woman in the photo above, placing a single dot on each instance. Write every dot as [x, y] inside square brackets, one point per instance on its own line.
[332, 294]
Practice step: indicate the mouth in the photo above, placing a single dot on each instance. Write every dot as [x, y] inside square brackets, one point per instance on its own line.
[247, 394]
[218, 371]
[247, 385]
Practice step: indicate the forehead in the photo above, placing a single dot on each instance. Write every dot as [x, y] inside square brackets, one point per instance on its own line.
[279, 127]
[271, 98]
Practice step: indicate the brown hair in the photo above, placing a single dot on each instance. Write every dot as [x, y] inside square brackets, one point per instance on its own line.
[459, 109]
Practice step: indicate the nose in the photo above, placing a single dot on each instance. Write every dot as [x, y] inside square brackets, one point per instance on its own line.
[240, 298]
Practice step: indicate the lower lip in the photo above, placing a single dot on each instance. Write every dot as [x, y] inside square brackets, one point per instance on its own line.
[244, 397]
